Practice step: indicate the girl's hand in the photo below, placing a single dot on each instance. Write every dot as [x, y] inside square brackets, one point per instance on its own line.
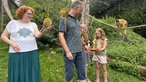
[100, 49]
[86, 47]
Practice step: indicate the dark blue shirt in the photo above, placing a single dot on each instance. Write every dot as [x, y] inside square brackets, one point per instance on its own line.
[71, 33]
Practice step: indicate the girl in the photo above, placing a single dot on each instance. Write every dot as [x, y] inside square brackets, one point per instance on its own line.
[86, 47]
[100, 42]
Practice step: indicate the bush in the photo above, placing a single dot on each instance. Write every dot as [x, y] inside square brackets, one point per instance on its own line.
[51, 9]
[125, 67]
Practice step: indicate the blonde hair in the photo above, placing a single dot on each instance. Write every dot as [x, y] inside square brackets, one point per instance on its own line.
[22, 10]
[103, 36]
[83, 26]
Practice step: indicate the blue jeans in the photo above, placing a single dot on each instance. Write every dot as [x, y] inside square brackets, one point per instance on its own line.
[78, 60]
[86, 56]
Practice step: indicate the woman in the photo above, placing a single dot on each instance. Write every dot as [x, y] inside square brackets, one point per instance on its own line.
[23, 65]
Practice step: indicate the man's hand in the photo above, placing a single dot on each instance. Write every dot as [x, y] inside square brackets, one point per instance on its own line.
[69, 55]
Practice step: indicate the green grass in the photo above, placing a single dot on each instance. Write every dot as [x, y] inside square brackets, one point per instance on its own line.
[3, 61]
[52, 68]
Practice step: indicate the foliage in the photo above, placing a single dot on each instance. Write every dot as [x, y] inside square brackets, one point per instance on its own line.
[141, 31]
[134, 16]
[3, 20]
[3, 61]
[43, 9]
[131, 10]
[98, 6]
[130, 51]
[125, 67]
[127, 54]
[111, 32]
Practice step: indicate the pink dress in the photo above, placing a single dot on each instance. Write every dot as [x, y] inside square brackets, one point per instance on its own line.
[100, 56]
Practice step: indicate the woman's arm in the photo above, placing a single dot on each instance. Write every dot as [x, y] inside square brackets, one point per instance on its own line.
[38, 33]
[5, 38]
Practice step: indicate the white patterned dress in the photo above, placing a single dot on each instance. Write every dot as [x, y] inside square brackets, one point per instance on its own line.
[100, 56]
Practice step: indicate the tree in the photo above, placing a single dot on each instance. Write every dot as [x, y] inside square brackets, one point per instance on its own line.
[6, 6]
[85, 17]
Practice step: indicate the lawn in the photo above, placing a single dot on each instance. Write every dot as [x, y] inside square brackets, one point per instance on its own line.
[52, 67]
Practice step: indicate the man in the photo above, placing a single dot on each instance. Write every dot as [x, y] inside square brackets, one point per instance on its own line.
[70, 39]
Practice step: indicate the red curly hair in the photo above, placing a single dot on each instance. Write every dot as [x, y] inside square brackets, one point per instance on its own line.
[22, 10]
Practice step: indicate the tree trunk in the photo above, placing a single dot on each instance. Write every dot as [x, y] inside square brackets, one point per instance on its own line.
[85, 17]
[19, 2]
[142, 70]
[6, 6]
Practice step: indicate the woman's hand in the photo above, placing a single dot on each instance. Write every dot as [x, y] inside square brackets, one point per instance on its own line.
[47, 28]
[15, 47]
[50, 27]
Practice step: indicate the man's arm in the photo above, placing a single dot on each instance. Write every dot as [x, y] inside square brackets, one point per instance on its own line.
[64, 45]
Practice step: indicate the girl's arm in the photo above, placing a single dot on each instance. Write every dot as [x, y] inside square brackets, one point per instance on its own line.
[94, 44]
[82, 40]
[104, 45]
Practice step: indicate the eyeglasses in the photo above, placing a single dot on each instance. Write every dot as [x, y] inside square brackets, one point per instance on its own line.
[30, 14]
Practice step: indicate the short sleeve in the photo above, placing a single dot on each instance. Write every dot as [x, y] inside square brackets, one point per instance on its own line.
[10, 25]
[34, 25]
[62, 26]
[105, 39]
[94, 42]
